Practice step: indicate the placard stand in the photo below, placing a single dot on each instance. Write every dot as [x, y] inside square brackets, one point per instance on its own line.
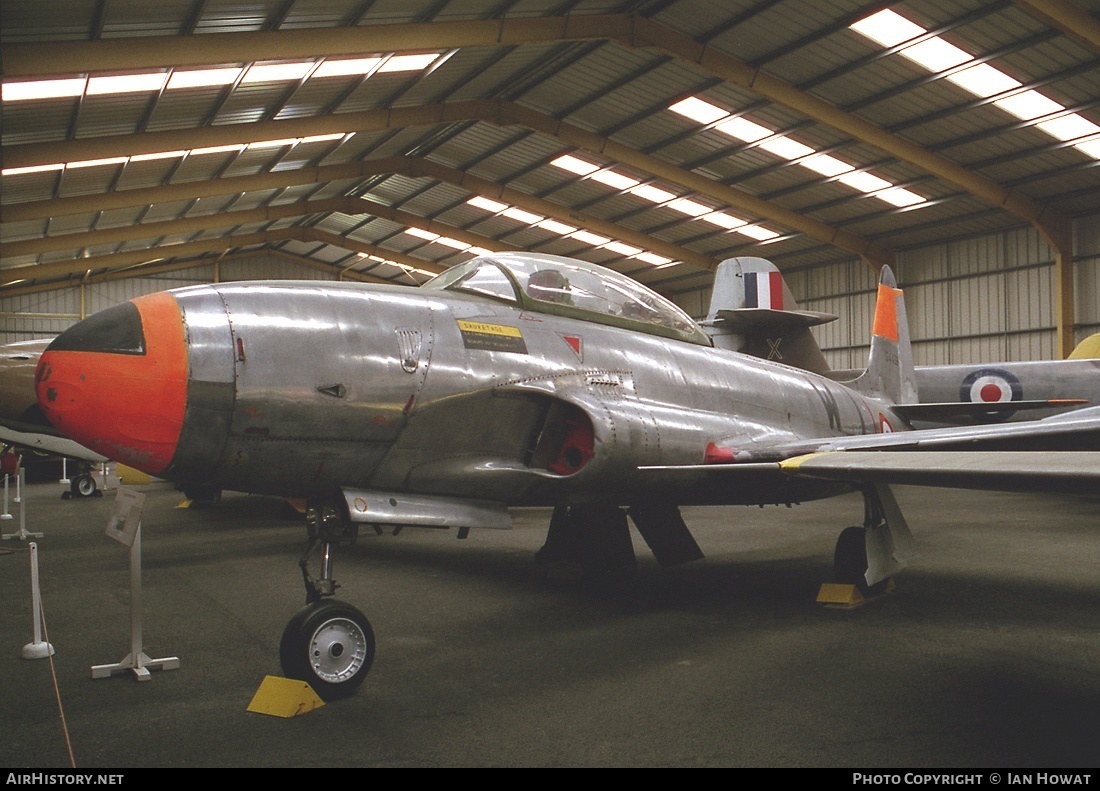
[125, 527]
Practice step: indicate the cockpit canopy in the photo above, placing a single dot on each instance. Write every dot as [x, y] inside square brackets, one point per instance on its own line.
[566, 287]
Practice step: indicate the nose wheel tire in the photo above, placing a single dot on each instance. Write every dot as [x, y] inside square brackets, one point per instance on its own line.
[330, 645]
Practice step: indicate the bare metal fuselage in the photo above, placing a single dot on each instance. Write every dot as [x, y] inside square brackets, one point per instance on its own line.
[301, 389]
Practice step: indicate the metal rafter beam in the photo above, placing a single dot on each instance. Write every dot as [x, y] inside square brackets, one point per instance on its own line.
[23, 60]
[75, 57]
[133, 259]
[348, 205]
[191, 190]
[186, 225]
[366, 248]
[413, 167]
[1074, 22]
[500, 112]
[149, 270]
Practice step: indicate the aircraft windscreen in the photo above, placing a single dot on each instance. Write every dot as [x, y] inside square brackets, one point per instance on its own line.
[477, 276]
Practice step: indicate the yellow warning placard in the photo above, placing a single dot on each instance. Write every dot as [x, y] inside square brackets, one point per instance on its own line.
[491, 337]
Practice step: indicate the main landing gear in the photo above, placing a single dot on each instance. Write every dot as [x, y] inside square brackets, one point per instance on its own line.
[329, 644]
[593, 541]
[868, 556]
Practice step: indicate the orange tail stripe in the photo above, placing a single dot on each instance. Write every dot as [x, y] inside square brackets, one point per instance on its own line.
[886, 313]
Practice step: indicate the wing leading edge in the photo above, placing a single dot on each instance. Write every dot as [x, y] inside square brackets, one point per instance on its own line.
[1064, 472]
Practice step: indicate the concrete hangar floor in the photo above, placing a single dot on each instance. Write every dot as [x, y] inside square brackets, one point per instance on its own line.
[985, 654]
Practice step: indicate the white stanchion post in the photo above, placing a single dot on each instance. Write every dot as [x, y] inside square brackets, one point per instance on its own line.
[64, 471]
[39, 649]
[7, 513]
[22, 535]
[19, 486]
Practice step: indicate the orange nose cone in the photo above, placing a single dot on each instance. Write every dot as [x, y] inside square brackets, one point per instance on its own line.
[117, 382]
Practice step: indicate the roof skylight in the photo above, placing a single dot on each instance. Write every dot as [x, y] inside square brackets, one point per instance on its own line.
[660, 196]
[70, 87]
[747, 131]
[194, 152]
[562, 229]
[982, 80]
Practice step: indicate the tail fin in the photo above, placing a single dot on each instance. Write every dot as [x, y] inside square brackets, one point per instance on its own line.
[752, 311]
[1088, 349]
[889, 373]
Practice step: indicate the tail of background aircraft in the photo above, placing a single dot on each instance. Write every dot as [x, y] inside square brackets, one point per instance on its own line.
[890, 373]
[752, 311]
[1088, 349]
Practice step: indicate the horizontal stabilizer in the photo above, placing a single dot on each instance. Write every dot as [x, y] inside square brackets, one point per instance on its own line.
[763, 319]
[974, 409]
[752, 311]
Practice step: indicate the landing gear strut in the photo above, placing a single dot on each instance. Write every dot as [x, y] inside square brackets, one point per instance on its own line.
[868, 556]
[589, 540]
[329, 644]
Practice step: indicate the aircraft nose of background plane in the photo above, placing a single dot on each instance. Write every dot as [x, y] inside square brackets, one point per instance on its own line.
[116, 382]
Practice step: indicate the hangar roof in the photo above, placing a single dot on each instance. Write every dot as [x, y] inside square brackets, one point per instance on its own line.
[391, 139]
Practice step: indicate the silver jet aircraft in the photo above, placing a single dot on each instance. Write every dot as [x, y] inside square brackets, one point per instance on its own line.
[511, 380]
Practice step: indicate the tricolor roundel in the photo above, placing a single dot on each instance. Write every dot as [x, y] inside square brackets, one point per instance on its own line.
[991, 385]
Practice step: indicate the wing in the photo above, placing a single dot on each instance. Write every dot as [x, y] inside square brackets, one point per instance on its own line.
[1057, 454]
[1074, 431]
[1066, 472]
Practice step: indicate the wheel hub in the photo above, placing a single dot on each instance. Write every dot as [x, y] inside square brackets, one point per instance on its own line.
[337, 650]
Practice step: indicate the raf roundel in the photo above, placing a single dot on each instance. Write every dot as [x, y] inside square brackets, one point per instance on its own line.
[991, 385]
